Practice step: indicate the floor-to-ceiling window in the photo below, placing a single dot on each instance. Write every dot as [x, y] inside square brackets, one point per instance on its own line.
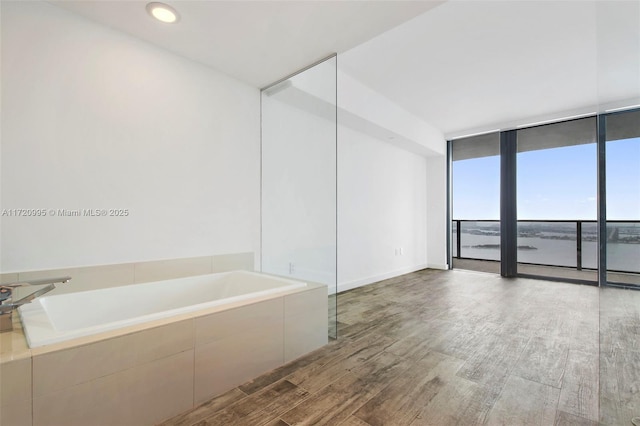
[623, 197]
[554, 170]
[475, 237]
[556, 200]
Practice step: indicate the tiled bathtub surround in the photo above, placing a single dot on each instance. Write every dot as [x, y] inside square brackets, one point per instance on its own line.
[103, 276]
[15, 391]
[147, 373]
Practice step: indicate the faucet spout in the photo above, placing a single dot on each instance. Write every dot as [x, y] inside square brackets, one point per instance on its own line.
[30, 283]
[7, 306]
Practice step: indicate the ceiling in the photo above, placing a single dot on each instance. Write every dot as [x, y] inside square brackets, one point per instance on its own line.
[257, 42]
[470, 66]
[461, 66]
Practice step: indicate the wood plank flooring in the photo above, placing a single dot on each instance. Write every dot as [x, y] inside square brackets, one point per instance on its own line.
[619, 356]
[455, 347]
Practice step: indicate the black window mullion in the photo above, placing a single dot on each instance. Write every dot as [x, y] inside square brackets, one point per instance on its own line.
[508, 204]
[602, 201]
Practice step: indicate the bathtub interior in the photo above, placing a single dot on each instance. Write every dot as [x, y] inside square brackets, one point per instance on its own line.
[58, 318]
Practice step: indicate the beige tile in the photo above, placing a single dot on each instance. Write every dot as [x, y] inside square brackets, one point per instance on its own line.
[300, 303]
[146, 394]
[15, 381]
[234, 262]
[84, 278]
[236, 345]
[8, 278]
[238, 320]
[57, 370]
[15, 388]
[224, 364]
[18, 413]
[169, 269]
[306, 323]
[13, 344]
[96, 277]
[305, 333]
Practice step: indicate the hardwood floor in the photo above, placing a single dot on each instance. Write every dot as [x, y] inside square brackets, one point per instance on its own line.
[455, 347]
[619, 355]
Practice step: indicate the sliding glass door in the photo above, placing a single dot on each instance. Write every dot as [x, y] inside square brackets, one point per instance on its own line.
[556, 201]
[475, 237]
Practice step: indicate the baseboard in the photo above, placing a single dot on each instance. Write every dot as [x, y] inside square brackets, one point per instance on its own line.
[370, 280]
[444, 267]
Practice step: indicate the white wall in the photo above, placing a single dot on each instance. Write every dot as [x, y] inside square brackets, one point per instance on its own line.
[437, 212]
[391, 188]
[382, 207]
[95, 119]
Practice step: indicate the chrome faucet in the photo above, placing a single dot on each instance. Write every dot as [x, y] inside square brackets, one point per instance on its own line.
[7, 305]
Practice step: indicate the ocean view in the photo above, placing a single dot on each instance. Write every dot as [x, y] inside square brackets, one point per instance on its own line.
[553, 243]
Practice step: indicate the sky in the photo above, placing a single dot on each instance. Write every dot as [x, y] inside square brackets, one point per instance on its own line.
[553, 184]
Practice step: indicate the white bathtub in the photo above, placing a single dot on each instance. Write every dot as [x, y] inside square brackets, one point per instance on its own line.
[53, 319]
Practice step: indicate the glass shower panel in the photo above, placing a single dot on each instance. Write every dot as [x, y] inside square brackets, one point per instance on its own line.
[299, 127]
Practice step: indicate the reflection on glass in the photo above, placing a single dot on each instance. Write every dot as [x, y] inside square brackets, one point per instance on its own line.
[299, 179]
[623, 246]
[623, 197]
[556, 186]
[454, 238]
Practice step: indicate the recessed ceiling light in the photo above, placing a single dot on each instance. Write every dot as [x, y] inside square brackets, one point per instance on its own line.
[163, 12]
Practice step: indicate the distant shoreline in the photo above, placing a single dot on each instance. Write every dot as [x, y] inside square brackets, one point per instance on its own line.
[497, 246]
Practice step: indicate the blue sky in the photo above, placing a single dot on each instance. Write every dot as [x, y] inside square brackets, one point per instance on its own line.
[558, 183]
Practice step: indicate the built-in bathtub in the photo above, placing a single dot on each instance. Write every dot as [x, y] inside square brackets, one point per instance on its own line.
[142, 364]
[54, 319]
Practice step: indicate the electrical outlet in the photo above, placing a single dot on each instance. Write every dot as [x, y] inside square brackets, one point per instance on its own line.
[401, 251]
[292, 268]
